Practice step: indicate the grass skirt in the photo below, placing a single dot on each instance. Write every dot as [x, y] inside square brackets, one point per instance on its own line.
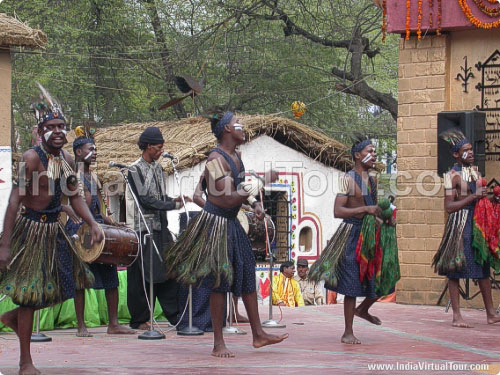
[44, 270]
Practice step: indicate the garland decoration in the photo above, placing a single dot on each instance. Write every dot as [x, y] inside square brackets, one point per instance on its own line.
[408, 18]
[419, 22]
[476, 22]
[490, 12]
[431, 21]
[438, 31]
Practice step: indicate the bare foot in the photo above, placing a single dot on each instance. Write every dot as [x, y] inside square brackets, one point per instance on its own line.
[120, 330]
[240, 319]
[9, 319]
[267, 339]
[460, 323]
[143, 326]
[222, 352]
[492, 319]
[349, 339]
[367, 316]
[28, 369]
[83, 332]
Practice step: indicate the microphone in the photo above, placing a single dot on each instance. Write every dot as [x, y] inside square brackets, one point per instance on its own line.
[112, 164]
[167, 155]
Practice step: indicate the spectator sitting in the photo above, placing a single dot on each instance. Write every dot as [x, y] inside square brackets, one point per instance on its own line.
[286, 290]
[311, 291]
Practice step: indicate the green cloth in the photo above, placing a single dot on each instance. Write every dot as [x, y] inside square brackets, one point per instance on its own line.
[96, 310]
[390, 273]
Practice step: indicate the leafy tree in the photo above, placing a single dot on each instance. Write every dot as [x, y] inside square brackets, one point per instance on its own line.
[113, 61]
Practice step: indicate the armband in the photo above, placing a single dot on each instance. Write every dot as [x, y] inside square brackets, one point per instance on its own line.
[343, 184]
[177, 205]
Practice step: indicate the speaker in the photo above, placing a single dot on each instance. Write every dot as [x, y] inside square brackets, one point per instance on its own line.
[472, 124]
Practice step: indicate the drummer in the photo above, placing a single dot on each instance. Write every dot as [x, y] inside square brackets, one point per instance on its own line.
[106, 276]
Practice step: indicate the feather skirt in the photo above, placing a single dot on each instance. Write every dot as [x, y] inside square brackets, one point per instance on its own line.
[202, 250]
[450, 257]
[327, 266]
[43, 270]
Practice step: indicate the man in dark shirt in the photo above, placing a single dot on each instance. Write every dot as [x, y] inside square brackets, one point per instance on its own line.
[148, 184]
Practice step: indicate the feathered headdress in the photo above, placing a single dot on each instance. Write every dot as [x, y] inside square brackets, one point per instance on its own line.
[359, 142]
[455, 138]
[46, 108]
[84, 134]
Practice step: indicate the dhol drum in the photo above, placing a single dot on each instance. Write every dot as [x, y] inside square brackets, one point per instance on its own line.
[256, 229]
[120, 245]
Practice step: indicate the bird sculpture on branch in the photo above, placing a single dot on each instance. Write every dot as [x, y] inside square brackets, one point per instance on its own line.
[187, 85]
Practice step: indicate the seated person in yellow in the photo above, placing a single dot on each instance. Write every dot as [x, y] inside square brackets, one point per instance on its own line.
[286, 290]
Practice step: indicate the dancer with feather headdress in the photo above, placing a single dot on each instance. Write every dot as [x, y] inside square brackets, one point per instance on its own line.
[36, 268]
[456, 257]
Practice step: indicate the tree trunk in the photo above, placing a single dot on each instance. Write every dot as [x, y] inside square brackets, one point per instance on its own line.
[167, 66]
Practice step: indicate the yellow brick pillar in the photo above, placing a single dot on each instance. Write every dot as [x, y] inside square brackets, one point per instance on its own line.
[421, 217]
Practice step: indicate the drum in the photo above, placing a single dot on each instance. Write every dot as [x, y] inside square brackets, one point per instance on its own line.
[256, 229]
[120, 246]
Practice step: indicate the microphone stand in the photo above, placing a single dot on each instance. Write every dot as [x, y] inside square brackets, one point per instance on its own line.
[270, 323]
[141, 215]
[230, 329]
[150, 334]
[190, 330]
[37, 336]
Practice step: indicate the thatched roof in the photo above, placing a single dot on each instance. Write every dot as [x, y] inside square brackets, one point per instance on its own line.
[16, 33]
[191, 139]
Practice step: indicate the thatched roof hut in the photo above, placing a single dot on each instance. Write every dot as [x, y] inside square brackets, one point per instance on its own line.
[191, 139]
[16, 33]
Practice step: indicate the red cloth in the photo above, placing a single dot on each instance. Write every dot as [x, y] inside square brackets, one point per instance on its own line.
[265, 288]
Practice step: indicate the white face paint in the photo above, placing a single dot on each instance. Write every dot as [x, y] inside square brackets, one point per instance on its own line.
[64, 132]
[238, 126]
[48, 134]
[367, 158]
[464, 155]
[88, 155]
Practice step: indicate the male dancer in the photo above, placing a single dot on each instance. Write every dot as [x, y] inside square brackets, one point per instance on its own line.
[36, 268]
[106, 276]
[338, 264]
[455, 256]
[202, 292]
[214, 245]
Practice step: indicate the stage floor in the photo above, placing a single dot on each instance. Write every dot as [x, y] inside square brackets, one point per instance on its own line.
[417, 339]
